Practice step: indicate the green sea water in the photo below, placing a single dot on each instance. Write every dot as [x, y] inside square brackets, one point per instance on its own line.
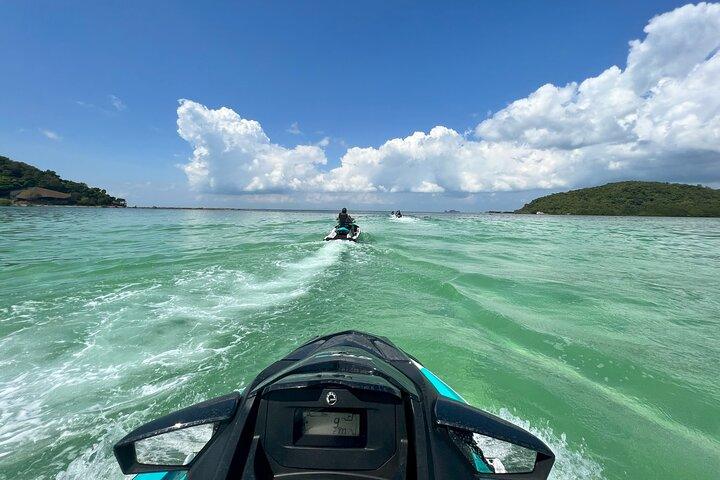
[600, 335]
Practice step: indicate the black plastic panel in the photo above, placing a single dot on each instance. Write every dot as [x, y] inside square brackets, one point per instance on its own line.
[376, 444]
[404, 430]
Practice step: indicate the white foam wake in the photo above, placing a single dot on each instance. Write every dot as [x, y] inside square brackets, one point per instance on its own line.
[571, 462]
[163, 333]
[404, 219]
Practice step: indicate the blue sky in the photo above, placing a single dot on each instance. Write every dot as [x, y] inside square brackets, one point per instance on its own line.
[91, 89]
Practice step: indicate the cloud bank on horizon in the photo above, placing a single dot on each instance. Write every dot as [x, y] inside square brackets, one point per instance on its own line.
[659, 118]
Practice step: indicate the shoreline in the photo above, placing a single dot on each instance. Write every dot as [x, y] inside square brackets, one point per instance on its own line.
[376, 212]
[239, 209]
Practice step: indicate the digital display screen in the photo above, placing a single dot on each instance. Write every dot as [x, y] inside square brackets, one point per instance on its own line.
[339, 424]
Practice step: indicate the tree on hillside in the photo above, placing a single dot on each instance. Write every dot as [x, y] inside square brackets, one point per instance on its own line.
[18, 176]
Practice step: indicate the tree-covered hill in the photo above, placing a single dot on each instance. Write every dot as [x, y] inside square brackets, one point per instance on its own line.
[632, 198]
[15, 176]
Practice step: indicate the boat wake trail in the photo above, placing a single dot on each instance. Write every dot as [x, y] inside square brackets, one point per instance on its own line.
[132, 348]
[571, 463]
[404, 219]
[224, 291]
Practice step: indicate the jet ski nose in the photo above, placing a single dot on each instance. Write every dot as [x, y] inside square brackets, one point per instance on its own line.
[348, 405]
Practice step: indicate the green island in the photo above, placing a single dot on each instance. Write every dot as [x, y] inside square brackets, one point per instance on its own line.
[631, 198]
[23, 184]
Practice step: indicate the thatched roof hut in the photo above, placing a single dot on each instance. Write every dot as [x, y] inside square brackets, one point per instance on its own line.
[39, 194]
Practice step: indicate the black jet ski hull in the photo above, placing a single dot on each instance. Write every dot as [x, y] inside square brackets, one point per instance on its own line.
[343, 406]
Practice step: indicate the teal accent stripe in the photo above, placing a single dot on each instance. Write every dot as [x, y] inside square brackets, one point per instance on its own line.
[442, 387]
[151, 476]
[176, 475]
[446, 391]
[480, 466]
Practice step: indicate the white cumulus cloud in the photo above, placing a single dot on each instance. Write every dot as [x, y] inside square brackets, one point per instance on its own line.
[658, 118]
[233, 155]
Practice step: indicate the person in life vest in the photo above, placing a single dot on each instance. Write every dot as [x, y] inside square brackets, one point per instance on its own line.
[345, 220]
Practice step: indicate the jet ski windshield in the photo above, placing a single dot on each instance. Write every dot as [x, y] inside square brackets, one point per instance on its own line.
[341, 365]
[343, 406]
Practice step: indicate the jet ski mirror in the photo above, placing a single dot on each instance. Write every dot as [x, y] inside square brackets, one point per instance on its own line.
[176, 447]
[492, 445]
[174, 441]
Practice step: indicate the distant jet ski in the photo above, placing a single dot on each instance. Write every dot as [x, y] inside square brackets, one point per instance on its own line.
[344, 233]
[346, 406]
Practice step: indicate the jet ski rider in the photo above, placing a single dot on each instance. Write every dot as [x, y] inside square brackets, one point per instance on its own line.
[345, 220]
